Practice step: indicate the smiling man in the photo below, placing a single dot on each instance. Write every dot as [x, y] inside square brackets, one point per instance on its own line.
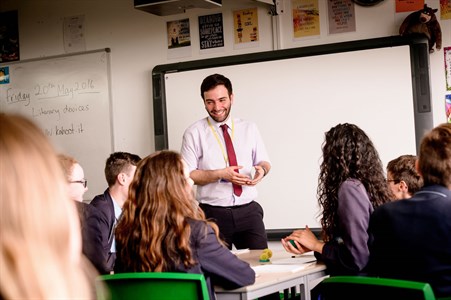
[226, 158]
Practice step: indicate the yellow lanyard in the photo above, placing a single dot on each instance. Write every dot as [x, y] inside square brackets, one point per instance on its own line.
[224, 153]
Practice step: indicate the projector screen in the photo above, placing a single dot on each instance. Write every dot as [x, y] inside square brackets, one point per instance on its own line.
[294, 100]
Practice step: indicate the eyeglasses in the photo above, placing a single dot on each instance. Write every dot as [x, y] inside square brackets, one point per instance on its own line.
[395, 181]
[84, 182]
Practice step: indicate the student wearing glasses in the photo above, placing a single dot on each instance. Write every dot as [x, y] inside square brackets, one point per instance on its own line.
[412, 237]
[90, 217]
[402, 177]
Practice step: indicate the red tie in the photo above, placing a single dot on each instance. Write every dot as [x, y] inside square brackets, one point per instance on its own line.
[237, 189]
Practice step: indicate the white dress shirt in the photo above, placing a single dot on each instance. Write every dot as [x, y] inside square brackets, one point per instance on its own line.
[203, 148]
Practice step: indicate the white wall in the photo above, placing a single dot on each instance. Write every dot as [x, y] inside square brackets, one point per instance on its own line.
[138, 43]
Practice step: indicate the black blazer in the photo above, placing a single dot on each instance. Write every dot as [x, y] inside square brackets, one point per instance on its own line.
[104, 203]
[412, 239]
[90, 220]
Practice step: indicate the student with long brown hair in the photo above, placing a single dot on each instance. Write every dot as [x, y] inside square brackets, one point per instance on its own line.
[40, 244]
[162, 228]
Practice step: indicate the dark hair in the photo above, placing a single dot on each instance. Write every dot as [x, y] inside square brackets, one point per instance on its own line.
[348, 153]
[119, 162]
[435, 156]
[403, 168]
[214, 80]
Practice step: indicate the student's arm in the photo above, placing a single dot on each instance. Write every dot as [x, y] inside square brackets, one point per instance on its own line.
[225, 269]
[351, 253]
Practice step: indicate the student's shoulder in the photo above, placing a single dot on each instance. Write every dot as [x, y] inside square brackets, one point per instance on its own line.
[103, 203]
[199, 228]
[351, 184]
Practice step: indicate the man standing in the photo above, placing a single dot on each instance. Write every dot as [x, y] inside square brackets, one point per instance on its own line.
[119, 171]
[222, 153]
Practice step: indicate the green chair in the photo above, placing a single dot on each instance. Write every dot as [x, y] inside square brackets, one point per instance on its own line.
[152, 285]
[371, 288]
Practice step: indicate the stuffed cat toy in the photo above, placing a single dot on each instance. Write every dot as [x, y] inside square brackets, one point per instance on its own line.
[424, 22]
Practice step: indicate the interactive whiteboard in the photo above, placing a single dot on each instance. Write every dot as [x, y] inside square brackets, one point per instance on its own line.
[294, 100]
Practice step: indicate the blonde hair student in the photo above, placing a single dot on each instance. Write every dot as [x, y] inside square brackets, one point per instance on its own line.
[40, 245]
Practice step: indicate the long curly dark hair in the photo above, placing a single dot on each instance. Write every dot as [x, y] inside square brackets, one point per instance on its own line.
[348, 153]
[153, 233]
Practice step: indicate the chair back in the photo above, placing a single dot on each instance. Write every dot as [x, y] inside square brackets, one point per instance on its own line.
[371, 288]
[153, 285]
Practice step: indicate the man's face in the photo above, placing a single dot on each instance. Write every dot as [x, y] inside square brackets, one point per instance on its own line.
[218, 103]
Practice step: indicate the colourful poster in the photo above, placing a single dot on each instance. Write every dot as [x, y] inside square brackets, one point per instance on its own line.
[447, 54]
[245, 23]
[409, 5]
[445, 10]
[211, 33]
[341, 15]
[178, 34]
[305, 14]
[448, 107]
[4, 75]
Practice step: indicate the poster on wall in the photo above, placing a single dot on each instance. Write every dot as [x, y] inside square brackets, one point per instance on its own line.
[211, 31]
[74, 34]
[305, 16]
[445, 10]
[447, 54]
[9, 36]
[245, 28]
[179, 38]
[448, 107]
[409, 5]
[4, 75]
[341, 16]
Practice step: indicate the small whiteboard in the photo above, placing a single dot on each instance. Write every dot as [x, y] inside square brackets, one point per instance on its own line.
[69, 98]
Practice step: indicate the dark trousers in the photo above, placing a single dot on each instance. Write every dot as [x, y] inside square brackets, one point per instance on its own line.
[241, 225]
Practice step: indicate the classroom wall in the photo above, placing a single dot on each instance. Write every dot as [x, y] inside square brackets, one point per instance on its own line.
[138, 43]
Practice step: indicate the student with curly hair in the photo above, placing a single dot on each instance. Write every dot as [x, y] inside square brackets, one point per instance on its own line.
[351, 184]
[163, 229]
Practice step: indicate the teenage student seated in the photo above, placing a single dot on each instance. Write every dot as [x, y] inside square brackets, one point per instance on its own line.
[402, 176]
[40, 242]
[412, 237]
[351, 184]
[119, 171]
[163, 229]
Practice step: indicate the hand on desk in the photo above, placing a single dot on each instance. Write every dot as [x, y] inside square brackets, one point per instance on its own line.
[304, 240]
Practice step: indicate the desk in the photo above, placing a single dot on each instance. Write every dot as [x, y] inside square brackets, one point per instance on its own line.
[271, 282]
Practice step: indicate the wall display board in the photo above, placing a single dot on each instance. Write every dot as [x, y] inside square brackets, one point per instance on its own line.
[68, 96]
[295, 96]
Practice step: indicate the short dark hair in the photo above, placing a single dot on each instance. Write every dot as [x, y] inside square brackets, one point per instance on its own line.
[117, 163]
[214, 80]
[403, 168]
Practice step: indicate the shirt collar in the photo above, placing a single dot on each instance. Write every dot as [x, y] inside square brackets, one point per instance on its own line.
[218, 124]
